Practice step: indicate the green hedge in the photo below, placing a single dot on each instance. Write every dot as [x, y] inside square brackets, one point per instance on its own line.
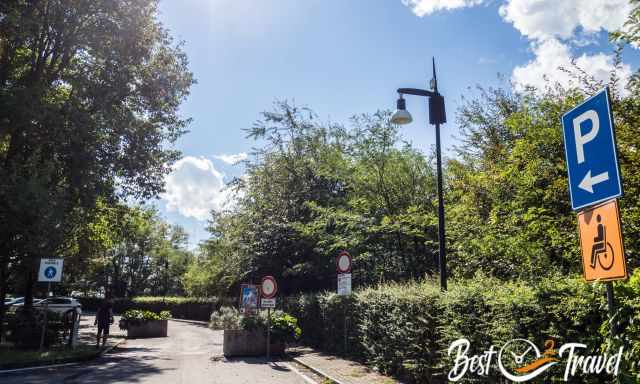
[405, 330]
[190, 308]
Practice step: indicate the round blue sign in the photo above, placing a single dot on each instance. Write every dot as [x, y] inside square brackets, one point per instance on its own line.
[50, 272]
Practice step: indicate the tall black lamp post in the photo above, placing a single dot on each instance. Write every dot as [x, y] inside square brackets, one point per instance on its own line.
[437, 116]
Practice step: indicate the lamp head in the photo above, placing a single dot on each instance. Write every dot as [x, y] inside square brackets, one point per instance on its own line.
[401, 116]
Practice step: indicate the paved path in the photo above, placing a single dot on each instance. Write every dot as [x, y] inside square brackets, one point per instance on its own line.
[192, 354]
[340, 370]
[87, 334]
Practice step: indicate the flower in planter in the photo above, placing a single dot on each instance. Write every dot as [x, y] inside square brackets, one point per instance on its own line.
[284, 327]
[227, 318]
[139, 317]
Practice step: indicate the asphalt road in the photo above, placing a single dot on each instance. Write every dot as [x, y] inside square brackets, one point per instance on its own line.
[190, 355]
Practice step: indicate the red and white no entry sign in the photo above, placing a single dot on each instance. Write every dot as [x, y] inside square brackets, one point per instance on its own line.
[269, 287]
[343, 262]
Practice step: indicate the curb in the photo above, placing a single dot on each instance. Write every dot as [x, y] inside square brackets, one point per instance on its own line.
[190, 321]
[318, 371]
[65, 362]
[111, 348]
[304, 377]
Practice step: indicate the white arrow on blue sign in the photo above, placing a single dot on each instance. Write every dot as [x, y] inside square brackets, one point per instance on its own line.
[590, 150]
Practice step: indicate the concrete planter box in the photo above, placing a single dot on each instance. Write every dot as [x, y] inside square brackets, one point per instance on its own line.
[151, 328]
[248, 343]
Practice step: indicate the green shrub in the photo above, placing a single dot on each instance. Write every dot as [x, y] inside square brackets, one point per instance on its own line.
[253, 323]
[138, 317]
[406, 329]
[225, 318]
[190, 308]
[398, 329]
[284, 327]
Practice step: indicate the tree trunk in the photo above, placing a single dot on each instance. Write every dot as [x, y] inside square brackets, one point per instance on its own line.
[3, 290]
[28, 288]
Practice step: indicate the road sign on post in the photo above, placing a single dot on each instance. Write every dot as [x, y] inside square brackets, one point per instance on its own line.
[343, 265]
[248, 299]
[50, 270]
[344, 284]
[590, 150]
[343, 262]
[269, 287]
[601, 242]
[268, 303]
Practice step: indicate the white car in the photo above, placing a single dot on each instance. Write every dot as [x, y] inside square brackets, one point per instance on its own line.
[14, 301]
[55, 304]
[60, 305]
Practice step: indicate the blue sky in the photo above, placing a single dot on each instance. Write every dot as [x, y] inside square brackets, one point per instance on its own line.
[342, 57]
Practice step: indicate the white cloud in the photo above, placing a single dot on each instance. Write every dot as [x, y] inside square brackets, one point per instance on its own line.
[427, 7]
[544, 19]
[232, 159]
[194, 188]
[554, 28]
[552, 54]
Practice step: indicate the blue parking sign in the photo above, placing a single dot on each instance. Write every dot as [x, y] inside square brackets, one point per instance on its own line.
[590, 150]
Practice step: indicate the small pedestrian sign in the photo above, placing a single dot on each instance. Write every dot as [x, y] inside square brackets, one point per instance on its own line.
[590, 150]
[601, 242]
[50, 270]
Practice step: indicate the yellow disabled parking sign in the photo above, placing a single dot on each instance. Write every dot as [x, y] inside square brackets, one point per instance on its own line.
[601, 242]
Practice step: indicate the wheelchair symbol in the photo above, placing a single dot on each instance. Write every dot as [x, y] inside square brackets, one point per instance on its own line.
[601, 251]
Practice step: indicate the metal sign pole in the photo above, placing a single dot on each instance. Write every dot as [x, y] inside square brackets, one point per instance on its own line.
[345, 330]
[610, 305]
[268, 333]
[44, 323]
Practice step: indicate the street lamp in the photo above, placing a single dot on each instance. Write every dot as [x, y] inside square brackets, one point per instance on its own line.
[437, 116]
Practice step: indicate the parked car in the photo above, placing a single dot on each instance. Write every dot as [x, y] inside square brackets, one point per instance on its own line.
[56, 304]
[13, 301]
[59, 304]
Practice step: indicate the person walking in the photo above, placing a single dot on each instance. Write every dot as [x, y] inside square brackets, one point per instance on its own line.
[104, 318]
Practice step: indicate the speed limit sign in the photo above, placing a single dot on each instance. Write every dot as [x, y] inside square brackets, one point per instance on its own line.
[269, 287]
[343, 262]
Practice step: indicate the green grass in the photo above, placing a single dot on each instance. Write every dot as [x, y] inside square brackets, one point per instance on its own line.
[16, 358]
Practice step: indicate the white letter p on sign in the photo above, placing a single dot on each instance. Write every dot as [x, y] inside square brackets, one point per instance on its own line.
[581, 139]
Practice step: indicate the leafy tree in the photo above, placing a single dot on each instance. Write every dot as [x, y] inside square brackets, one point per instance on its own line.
[313, 190]
[89, 97]
[136, 253]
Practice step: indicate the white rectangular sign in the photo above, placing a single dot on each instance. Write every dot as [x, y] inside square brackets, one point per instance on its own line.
[268, 303]
[344, 284]
[50, 270]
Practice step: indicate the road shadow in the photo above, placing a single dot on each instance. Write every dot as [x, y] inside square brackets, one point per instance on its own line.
[276, 363]
[111, 368]
[124, 364]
